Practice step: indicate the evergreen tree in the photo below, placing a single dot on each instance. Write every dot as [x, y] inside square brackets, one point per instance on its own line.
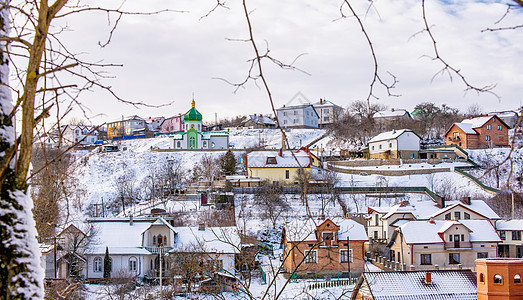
[228, 163]
[107, 264]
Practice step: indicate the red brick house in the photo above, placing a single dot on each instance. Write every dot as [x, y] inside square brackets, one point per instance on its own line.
[319, 247]
[477, 133]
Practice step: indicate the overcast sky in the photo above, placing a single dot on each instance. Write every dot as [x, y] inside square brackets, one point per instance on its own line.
[168, 57]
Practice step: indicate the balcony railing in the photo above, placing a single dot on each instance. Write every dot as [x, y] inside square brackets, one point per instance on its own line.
[155, 249]
[458, 245]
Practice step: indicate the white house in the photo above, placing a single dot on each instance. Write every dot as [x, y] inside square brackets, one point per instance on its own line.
[510, 233]
[298, 116]
[448, 244]
[403, 143]
[328, 112]
[82, 134]
[193, 136]
[134, 246]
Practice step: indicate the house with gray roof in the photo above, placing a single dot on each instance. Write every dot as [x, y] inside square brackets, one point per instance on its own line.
[403, 143]
[416, 285]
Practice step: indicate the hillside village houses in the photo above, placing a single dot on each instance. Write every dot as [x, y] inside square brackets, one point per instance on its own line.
[82, 134]
[193, 136]
[259, 121]
[477, 133]
[328, 112]
[281, 166]
[133, 125]
[325, 246]
[298, 116]
[134, 246]
[386, 118]
[172, 124]
[403, 143]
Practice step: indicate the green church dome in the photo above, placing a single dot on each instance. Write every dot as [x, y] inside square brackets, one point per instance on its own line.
[193, 114]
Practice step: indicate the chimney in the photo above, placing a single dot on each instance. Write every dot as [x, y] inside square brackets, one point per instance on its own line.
[283, 105]
[428, 277]
[441, 202]
[465, 200]
[321, 101]
[131, 221]
[255, 115]
[404, 203]
[392, 109]
[201, 226]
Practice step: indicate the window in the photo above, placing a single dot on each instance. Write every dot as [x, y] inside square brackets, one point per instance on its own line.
[380, 146]
[97, 264]
[178, 145]
[487, 137]
[132, 264]
[412, 155]
[295, 112]
[310, 256]
[517, 278]
[447, 216]
[466, 216]
[327, 238]
[343, 255]
[284, 121]
[425, 259]
[325, 119]
[493, 119]
[482, 255]
[376, 220]
[450, 237]
[326, 110]
[192, 125]
[295, 121]
[376, 234]
[500, 127]
[390, 145]
[516, 235]
[498, 279]
[205, 144]
[154, 240]
[502, 235]
[372, 147]
[287, 174]
[462, 237]
[457, 215]
[271, 160]
[454, 258]
[489, 127]
[481, 277]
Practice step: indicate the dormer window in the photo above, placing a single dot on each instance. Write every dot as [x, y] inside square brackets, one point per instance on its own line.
[271, 160]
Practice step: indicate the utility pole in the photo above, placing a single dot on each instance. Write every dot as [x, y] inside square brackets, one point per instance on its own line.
[348, 257]
[161, 283]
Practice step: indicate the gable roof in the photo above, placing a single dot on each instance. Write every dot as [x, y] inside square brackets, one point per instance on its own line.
[301, 106]
[509, 225]
[261, 120]
[392, 113]
[304, 229]
[427, 232]
[468, 125]
[389, 135]
[410, 285]
[324, 102]
[477, 206]
[210, 240]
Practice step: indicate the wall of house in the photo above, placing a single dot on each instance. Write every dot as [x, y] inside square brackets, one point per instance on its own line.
[220, 142]
[119, 267]
[301, 117]
[497, 137]
[328, 258]
[276, 174]
[155, 231]
[462, 211]
[456, 136]
[375, 229]
[174, 124]
[440, 256]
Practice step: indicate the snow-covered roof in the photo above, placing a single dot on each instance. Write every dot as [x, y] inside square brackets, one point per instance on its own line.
[119, 236]
[509, 225]
[379, 209]
[424, 210]
[210, 240]
[258, 159]
[262, 120]
[411, 285]
[477, 122]
[466, 127]
[390, 135]
[324, 102]
[391, 113]
[478, 206]
[427, 232]
[304, 229]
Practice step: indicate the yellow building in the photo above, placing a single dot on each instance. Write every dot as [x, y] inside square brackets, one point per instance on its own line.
[114, 129]
[282, 166]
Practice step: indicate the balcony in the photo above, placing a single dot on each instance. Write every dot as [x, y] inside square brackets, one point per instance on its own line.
[458, 245]
[455, 139]
[155, 249]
